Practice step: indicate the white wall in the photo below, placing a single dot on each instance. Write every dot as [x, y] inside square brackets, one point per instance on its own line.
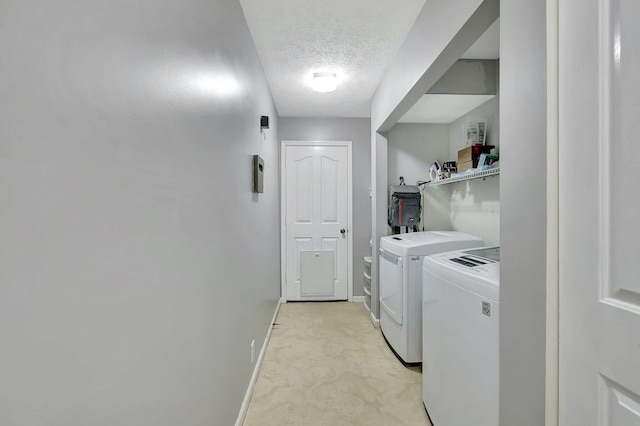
[475, 204]
[470, 206]
[413, 148]
[436, 210]
[357, 131]
[441, 33]
[489, 111]
[475, 208]
[136, 264]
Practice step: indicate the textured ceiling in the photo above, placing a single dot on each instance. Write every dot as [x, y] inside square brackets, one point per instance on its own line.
[358, 39]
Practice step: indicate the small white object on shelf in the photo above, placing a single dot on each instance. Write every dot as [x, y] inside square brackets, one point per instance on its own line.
[367, 303]
[367, 267]
[367, 282]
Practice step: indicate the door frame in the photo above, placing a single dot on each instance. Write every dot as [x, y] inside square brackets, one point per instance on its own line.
[283, 208]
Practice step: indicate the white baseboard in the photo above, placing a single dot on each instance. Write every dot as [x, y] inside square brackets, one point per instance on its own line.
[358, 299]
[375, 321]
[256, 370]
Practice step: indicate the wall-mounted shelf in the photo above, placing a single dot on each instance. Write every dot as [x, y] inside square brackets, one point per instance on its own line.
[467, 176]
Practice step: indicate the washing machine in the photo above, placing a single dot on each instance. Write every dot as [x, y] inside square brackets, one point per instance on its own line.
[460, 323]
[401, 285]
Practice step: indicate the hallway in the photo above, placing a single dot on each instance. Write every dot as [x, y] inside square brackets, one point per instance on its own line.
[327, 365]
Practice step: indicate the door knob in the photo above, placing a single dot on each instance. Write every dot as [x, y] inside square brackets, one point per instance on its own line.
[342, 231]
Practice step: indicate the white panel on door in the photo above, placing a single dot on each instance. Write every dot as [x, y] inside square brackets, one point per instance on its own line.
[331, 244]
[619, 406]
[302, 244]
[316, 273]
[623, 156]
[599, 232]
[304, 190]
[329, 187]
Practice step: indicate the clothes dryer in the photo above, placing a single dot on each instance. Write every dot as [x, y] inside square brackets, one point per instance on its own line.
[460, 319]
[400, 261]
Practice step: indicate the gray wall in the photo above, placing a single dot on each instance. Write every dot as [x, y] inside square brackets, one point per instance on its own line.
[523, 224]
[379, 213]
[523, 182]
[136, 264]
[344, 129]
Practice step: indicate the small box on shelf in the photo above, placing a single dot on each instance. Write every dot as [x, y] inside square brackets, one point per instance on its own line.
[471, 154]
[465, 166]
[464, 156]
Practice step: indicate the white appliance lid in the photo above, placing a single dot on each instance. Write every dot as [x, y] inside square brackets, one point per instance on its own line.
[468, 270]
[490, 253]
[428, 242]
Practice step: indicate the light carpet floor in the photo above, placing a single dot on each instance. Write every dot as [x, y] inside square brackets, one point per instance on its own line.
[327, 365]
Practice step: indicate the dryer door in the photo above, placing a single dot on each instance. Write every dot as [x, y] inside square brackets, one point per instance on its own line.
[391, 288]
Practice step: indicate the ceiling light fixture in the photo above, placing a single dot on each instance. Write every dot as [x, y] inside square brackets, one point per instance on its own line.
[324, 81]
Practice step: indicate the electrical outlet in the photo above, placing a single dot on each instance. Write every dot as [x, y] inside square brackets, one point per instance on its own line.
[253, 350]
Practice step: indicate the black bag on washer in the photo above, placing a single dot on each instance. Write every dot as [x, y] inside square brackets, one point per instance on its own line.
[404, 206]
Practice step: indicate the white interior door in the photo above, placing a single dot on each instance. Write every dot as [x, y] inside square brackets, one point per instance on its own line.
[599, 59]
[317, 186]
